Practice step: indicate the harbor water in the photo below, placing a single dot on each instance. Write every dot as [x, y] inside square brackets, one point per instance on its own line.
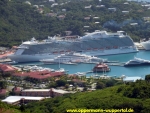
[116, 71]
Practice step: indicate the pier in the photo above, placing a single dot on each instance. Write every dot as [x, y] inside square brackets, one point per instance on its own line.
[116, 64]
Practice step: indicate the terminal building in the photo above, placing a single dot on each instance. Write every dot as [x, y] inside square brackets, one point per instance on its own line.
[18, 100]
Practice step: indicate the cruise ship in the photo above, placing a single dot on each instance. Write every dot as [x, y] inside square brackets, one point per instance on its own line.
[137, 62]
[94, 44]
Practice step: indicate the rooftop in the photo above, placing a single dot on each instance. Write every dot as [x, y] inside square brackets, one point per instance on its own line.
[12, 99]
[131, 79]
[34, 90]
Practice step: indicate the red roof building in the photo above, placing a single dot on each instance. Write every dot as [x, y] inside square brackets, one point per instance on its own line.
[61, 17]
[16, 90]
[5, 68]
[38, 75]
[3, 93]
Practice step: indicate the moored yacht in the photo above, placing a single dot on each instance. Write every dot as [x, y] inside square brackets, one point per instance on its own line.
[137, 62]
[72, 58]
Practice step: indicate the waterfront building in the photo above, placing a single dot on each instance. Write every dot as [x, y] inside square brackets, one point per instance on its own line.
[18, 100]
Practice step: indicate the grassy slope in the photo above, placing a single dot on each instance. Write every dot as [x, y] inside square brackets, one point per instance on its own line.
[107, 98]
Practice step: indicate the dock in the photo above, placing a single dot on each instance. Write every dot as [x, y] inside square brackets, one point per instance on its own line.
[116, 64]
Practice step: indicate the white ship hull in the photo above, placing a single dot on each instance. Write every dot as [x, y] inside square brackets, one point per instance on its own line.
[146, 45]
[38, 57]
[111, 51]
[30, 58]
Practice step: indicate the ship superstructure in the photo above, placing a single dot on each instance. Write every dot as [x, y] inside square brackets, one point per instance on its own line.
[94, 44]
[146, 45]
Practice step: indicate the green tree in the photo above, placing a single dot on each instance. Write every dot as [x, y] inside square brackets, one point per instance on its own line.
[110, 83]
[100, 85]
[61, 83]
[147, 78]
[3, 84]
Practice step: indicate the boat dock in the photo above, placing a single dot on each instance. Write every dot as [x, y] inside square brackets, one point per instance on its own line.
[116, 64]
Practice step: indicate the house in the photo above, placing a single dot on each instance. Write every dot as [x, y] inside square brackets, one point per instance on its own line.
[41, 5]
[88, 7]
[68, 32]
[112, 9]
[61, 17]
[96, 22]
[51, 14]
[95, 17]
[16, 90]
[125, 12]
[146, 18]
[64, 10]
[133, 24]
[3, 93]
[40, 10]
[36, 6]
[100, 6]
[27, 2]
[51, 0]
[87, 18]
[54, 4]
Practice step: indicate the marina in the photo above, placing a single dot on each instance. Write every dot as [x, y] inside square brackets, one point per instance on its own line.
[117, 68]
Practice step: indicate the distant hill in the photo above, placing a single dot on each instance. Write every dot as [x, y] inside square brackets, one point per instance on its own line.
[20, 20]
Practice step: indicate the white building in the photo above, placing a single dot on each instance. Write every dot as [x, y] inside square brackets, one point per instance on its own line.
[16, 100]
[131, 79]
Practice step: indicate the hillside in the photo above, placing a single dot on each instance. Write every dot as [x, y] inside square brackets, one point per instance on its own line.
[131, 96]
[109, 98]
[20, 21]
[4, 108]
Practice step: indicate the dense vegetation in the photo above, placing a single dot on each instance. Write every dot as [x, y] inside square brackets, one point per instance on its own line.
[130, 95]
[20, 21]
[107, 98]
[4, 108]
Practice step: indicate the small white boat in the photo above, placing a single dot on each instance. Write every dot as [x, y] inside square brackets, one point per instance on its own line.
[80, 74]
[60, 70]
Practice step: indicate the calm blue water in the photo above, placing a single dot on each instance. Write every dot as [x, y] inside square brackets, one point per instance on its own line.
[115, 70]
